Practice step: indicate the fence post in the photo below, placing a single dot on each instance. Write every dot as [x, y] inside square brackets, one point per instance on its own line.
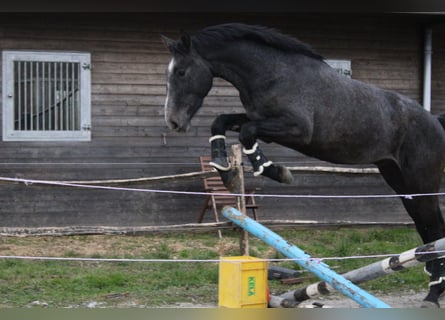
[241, 200]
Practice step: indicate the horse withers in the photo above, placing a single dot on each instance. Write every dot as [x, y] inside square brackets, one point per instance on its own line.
[293, 98]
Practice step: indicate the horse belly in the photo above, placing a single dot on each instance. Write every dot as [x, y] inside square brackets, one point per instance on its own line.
[343, 155]
[345, 150]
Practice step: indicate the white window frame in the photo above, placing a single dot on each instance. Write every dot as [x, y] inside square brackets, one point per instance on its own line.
[83, 130]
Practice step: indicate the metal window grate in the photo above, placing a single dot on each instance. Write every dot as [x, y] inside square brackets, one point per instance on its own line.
[47, 96]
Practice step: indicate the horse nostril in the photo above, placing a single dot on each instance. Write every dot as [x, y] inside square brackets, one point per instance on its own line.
[174, 125]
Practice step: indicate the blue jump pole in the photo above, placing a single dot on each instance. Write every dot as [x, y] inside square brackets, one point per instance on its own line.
[321, 270]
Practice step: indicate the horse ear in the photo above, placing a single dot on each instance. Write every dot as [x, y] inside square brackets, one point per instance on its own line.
[169, 43]
[186, 42]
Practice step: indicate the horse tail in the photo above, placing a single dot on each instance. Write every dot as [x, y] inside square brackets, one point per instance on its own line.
[441, 118]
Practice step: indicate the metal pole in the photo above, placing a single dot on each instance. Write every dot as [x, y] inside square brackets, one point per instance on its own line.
[428, 51]
[321, 270]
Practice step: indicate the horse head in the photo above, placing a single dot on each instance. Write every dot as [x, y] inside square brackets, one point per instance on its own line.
[189, 79]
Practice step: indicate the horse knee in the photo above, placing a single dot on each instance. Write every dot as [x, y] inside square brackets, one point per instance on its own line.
[219, 125]
[225, 122]
[247, 136]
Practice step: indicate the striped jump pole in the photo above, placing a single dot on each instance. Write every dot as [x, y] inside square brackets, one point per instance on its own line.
[320, 269]
[406, 259]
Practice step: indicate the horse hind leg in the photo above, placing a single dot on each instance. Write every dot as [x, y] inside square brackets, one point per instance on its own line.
[429, 223]
[428, 219]
[436, 271]
[433, 226]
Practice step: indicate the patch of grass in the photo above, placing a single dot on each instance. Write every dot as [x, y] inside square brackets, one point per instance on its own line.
[75, 283]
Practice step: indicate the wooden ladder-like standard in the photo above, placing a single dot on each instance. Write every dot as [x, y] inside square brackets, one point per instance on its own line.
[223, 197]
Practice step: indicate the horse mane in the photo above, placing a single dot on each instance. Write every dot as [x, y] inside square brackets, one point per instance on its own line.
[217, 36]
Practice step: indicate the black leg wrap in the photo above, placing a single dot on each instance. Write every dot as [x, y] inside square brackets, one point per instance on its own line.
[436, 270]
[257, 159]
[262, 166]
[219, 154]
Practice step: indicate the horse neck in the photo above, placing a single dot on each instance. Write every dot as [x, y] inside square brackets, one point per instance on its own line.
[241, 65]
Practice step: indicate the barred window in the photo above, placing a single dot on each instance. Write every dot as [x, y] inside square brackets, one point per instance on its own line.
[46, 96]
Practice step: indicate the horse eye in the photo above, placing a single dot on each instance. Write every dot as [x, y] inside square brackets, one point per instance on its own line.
[180, 72]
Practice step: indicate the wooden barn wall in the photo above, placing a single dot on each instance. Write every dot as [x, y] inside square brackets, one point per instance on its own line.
[130, 139]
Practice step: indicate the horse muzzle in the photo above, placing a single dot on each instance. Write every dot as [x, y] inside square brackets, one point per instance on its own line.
[178, 124]
[179, 118]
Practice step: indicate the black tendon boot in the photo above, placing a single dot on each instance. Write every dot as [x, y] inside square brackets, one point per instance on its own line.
[262, 166]
[436, 271]
[219, 154]
[219, 161]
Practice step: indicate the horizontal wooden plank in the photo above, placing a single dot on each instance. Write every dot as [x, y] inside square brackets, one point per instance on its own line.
[125, 57]
[137, 89]
[115, 77]
[135, 68]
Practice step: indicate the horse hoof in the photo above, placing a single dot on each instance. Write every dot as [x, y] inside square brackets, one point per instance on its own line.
[429, 304]
[278, 173]
[231, 180]
[285, 175]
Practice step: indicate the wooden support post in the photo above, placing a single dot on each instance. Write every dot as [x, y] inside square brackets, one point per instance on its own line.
[237, 164]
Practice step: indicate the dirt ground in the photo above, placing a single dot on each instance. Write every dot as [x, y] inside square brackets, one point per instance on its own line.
[405, 300]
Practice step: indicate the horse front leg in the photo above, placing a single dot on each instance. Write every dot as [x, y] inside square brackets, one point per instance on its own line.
[269, 129]
[263, 166]
[220, 125]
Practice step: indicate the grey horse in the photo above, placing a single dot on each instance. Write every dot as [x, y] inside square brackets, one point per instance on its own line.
[293, 98]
